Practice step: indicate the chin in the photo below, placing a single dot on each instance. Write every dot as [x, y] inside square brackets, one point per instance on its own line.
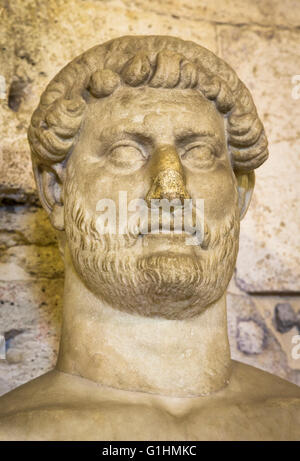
[165, 300]
[169, 286]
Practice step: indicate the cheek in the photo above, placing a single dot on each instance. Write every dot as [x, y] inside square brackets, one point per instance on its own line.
[217, 188]
[96, 182]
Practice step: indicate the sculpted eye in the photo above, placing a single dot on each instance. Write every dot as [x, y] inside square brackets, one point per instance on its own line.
[199, 156]
[126, 157]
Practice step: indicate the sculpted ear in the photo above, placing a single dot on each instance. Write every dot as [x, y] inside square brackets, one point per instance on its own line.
[49, 181]
[245, 182]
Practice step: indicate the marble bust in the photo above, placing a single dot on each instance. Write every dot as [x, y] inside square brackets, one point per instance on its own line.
[144, 352]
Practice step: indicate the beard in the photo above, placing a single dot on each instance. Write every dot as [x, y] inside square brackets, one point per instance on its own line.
[118, 270]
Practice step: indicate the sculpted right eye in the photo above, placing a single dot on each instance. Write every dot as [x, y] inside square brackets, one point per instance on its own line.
[126, 157]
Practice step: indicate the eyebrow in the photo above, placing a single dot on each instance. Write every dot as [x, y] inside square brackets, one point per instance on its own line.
[191, 135]
[117, 131]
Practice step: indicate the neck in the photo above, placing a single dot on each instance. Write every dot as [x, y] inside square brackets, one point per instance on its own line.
[171, 357]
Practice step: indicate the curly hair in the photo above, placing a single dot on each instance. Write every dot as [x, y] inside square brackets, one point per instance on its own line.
[156, 61]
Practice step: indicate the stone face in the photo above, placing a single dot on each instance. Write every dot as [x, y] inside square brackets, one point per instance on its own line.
[266, 60]
[29, 59]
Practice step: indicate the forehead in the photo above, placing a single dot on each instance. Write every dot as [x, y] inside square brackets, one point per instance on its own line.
[154, 110]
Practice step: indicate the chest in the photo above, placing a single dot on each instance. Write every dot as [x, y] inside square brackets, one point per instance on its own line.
[111, 421]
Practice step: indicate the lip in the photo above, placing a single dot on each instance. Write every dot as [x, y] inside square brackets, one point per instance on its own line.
[167, 235]
[170, 239]
[188, 231]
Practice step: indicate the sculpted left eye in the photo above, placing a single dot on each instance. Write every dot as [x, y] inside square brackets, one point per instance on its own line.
[199, 156]
[126, 157]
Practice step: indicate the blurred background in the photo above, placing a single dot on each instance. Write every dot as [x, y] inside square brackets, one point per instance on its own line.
[260, 39]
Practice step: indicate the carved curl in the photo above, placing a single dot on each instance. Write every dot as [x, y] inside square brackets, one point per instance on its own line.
[164, 62]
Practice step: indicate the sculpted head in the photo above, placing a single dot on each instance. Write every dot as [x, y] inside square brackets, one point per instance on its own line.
[157, 118]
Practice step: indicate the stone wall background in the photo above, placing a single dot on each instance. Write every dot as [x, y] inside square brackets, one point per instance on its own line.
[261, 40]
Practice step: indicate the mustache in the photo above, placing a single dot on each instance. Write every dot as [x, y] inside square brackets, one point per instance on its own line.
[174, 222]
[88, 236]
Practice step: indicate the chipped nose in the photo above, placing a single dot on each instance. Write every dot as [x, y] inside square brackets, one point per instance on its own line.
[168, 180]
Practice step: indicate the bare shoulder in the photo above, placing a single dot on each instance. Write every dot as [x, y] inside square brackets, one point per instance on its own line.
[60, 406]
[259, 406]
[255, 382]
[19, 401]
[27, 403]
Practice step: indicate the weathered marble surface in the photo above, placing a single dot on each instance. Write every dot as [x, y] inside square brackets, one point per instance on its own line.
[261, 41]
